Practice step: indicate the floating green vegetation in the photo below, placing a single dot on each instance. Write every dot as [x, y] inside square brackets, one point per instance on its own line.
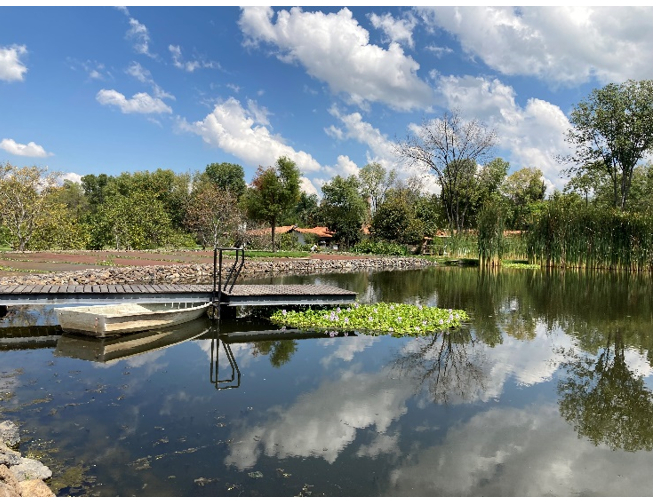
[391, 318]
[520, 264]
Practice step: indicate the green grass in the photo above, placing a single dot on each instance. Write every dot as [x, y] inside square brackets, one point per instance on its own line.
[397, 319]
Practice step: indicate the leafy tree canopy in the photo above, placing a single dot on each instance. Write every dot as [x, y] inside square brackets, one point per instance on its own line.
[611, 132]
[227, 176]
[274, 191]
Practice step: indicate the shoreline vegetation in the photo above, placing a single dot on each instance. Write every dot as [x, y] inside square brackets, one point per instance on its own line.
[167, 267]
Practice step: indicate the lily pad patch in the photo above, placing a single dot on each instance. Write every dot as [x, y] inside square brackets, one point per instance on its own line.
[390, 318]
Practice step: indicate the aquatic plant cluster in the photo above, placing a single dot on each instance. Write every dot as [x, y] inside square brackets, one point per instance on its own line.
[391, 318]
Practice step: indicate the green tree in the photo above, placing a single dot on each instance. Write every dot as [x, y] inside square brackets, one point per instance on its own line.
[611, 132]
[523, 189]
[451, 148]
[64, 228]
[134, 221]
[71, 195]
[214, 216]
[163, 184]
[24, 206]
[273, 192]
[396, 219]
[343, 209]
[374, 182]
[227, 176]
[95, 188]
[598, 188]
[304, 213]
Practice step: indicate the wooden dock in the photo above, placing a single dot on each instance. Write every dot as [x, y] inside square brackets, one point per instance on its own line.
[237, 296]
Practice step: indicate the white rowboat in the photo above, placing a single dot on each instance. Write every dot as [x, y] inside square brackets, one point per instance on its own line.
[108, 320]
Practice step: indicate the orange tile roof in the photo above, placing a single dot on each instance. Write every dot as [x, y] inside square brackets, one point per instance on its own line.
[318, 231]
[322, 232]
[267, 231]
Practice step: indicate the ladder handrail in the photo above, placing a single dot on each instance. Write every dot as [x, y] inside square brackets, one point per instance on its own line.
[233, 272]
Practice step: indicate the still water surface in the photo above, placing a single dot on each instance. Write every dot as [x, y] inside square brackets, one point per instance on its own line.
[547, 391]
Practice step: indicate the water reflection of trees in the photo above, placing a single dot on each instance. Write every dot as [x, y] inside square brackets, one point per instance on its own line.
[604, 400]
[280, 352]
[515, 301]
[446, 364]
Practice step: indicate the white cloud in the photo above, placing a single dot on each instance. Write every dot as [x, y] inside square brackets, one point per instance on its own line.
[29, 150]
[380, 148]
[354, 401]
[259, 113]
[144, 76]
[244, 132]
[308, 187]
[11, 67]
[439, 51]
[565, 45]
[93, 69]
[529, 452]
[396, 30]
[139, 103]
[334, 49]
[189, 66]
[138, 33]
[236, 130]
[74, 177]
[533, 135]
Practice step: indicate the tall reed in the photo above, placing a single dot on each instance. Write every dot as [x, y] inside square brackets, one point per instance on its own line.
[570, 234]
[490, 235]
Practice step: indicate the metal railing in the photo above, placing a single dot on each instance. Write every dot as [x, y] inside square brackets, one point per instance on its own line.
[233, 273]
[230, 383]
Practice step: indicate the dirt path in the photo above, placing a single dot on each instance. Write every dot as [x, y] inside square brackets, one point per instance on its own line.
[15, 263]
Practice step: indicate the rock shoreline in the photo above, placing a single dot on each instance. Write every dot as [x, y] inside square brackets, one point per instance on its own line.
[202, 273]
[20, 476]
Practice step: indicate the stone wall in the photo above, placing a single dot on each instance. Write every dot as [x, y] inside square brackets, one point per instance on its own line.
[20, 476]
[202, 273]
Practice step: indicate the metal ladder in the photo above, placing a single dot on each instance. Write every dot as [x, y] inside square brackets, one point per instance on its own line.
[233, 273]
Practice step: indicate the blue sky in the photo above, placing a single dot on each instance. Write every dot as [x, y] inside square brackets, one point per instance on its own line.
[90, 90]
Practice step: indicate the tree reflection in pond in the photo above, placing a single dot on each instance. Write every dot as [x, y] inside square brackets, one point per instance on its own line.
[449, 365]
[604, 400]
[279, 351]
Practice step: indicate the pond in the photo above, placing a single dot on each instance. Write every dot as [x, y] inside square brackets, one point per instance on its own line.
[547, 390]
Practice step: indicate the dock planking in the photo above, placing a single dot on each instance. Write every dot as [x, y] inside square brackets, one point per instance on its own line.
[239, 295]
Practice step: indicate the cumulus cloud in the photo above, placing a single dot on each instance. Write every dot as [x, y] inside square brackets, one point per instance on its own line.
[74, 177]
[240, 131]
[139, 103]
[564, 45]
[396, 30]
[244, 131]
[529, 452]
[11, 67]
[29, 150]
[379, 148]
[333, 48]
[354, 401]
[533, 134]
[191, 65]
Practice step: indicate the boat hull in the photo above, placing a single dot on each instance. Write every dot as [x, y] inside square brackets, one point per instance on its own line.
[110, 320]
